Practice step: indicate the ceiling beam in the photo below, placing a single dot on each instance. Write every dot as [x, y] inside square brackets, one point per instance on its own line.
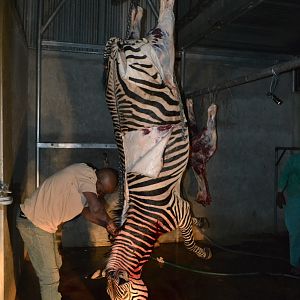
[213, 18]
[193, 12]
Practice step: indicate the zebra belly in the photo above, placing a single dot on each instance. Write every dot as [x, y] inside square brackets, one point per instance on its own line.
[151, 207]
[144, 150]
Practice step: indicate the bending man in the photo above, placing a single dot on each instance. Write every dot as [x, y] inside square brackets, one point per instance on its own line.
[77, 189]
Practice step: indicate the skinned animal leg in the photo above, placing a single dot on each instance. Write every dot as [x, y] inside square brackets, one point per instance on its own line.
[203, 195]
[135, 29]
[162, 40]
[191, 116]
[211, 129]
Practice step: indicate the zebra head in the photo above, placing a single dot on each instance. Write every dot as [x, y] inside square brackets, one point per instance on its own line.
[121, 287]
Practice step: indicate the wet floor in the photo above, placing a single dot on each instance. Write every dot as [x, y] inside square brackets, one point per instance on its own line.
[168, 282]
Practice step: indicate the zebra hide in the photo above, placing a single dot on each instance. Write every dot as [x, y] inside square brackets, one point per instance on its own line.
[152, 137]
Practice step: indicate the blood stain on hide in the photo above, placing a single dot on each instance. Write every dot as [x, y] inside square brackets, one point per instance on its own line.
[164, 127]
[146, 131]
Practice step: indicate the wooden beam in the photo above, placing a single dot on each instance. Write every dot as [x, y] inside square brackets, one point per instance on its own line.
[213, 18]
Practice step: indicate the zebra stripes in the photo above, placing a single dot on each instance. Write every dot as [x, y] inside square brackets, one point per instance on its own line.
[140, 100]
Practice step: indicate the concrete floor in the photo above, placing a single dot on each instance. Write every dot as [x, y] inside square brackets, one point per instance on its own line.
[167, 282]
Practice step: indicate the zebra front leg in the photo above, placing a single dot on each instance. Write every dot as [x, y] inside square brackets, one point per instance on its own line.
[186, 228]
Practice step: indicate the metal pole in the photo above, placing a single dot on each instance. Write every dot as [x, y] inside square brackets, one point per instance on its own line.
[278, 69]
[41, 29]
[40, 9]
[1, 106]
[154, 10]
[76, 146]
[56, 11]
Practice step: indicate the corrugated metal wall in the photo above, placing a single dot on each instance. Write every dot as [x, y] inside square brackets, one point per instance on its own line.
[27, 10]
[81, 21]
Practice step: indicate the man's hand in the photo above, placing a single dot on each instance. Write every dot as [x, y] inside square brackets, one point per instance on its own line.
[95, 212]
[280, 201]
[112, 228]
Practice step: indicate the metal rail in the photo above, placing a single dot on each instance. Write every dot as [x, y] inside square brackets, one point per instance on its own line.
[265, 73]
[70, 47]
[76, 146]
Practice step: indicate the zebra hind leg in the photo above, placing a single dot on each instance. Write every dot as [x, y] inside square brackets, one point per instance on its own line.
[201, 222]
[185, 225]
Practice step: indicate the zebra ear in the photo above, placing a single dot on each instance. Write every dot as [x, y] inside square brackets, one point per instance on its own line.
[103, 273]
[122, 277]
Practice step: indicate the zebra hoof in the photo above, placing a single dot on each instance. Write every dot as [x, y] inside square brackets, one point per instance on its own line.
[206, 254]
[203, 223]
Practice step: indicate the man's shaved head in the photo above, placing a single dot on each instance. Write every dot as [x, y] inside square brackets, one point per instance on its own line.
[107, 180]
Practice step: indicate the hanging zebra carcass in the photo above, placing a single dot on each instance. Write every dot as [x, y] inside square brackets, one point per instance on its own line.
[203, 147]
[152, 138]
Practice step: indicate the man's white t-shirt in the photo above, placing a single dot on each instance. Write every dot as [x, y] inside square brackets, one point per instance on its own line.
[60, 198]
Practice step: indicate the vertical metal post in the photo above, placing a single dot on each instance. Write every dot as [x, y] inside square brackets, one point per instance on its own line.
[1, 98]
[40, 9]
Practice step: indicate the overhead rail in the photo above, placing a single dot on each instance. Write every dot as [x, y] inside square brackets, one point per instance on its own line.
[213, 18]
[76, 146]
[265, 73]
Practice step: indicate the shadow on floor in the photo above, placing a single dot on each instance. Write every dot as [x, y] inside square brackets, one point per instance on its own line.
[169, 283]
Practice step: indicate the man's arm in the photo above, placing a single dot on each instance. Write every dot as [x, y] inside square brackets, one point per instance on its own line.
[96, 213]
